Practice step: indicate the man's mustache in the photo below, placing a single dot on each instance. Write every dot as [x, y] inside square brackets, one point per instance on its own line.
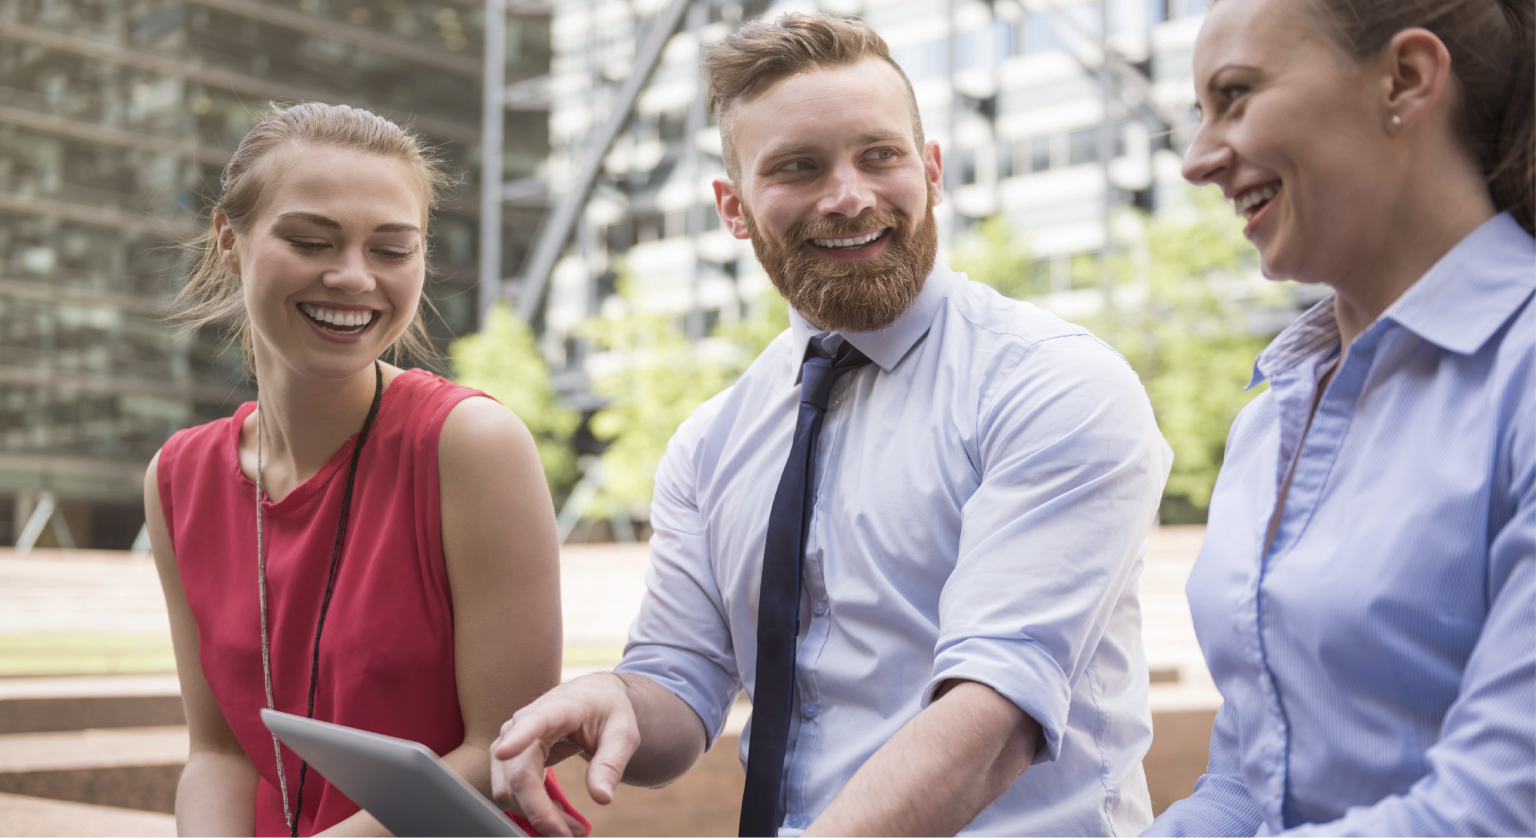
[833, 228]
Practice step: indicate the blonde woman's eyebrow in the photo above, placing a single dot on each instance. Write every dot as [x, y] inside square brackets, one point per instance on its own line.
[324, 221]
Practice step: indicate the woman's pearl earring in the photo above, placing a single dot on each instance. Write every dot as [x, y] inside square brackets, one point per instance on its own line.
[1397, 121]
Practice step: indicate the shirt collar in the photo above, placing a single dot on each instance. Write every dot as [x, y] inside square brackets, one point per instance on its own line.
[888, 346]
[1473, 289]
[1457, 305]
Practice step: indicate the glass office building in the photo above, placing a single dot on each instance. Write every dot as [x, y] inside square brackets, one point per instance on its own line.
[1009, 88]
[116, 117]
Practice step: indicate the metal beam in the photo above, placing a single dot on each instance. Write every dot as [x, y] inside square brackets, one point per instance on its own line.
[532, 286]
[97, 216]
[1130, 79]
[95, 132]
[346, 33]
[201, 72]
[113, 384]
[53, 292]
[493, 116]
[561, 221]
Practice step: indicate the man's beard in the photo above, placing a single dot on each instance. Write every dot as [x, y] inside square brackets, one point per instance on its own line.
[864, 296]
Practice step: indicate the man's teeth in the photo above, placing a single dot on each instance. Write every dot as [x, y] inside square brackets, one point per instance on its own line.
[851, 241]
[341, 320]
[1248, 203]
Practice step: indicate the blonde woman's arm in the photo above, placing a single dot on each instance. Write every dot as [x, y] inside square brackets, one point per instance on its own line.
[217, 791]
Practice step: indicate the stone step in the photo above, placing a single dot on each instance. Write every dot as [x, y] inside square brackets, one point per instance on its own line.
[35, 816]
[132, 768]
[38, 705]
[138, 768]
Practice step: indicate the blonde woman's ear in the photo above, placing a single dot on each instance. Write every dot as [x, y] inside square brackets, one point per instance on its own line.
[224, 232]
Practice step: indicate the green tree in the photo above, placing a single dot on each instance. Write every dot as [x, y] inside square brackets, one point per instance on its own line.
[993, 254]
[1181, 316]
[662, 379]
[503, 360]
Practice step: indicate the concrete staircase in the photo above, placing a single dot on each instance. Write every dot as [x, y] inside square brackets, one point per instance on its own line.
[111, 778]
[90, 756]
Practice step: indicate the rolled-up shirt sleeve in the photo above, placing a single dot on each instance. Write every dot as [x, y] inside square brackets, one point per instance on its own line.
[1072, 469]
[681, 639]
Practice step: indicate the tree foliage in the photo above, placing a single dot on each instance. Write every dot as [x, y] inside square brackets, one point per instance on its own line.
[504, 361]
[1183, 319]
[662, 379]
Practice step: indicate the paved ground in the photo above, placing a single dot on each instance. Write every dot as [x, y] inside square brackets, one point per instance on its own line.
[54, 594]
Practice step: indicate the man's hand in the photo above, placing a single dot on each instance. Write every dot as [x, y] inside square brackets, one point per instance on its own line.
[590, 715]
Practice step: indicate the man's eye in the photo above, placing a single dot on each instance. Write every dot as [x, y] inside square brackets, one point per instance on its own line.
[883, 153]
[1233, 91]
[796, 166]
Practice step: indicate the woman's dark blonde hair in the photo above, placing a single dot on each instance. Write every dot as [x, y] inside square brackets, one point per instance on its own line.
[212, 294]
[1493, 61]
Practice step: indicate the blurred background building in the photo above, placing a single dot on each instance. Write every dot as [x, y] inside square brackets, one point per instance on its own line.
[116, 117]
[1037, 130]
[1058, 118]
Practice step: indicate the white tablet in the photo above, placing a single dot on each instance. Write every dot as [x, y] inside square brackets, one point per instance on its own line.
[400, 782]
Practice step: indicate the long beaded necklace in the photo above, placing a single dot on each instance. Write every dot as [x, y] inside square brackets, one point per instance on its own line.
[292, 817]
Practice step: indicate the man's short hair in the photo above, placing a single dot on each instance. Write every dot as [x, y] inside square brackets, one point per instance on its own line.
[758, 55]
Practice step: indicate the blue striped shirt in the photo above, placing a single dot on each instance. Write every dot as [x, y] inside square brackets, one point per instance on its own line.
[1378, 662]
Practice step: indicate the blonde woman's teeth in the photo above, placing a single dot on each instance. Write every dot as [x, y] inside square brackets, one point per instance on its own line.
[850, 241]
[336, 319]
[1249, 202]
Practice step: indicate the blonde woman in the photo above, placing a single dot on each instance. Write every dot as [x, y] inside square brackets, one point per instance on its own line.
[363, 544]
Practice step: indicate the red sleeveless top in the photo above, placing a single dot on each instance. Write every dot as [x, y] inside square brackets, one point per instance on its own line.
[386, 658]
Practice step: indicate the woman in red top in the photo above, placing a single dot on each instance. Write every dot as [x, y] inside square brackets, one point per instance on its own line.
[367, 545]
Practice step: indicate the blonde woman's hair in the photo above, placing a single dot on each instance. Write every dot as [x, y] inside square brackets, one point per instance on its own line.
[212, 294]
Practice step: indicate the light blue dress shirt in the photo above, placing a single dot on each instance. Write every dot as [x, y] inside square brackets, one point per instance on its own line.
[984, 489]
[1378, 664]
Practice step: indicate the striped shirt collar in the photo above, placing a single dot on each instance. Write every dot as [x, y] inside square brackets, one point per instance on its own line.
[1458, 305]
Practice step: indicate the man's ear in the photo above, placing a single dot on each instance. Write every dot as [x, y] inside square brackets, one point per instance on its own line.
[728, 204]
[933, 170]
[224, 239]
[1418, 70]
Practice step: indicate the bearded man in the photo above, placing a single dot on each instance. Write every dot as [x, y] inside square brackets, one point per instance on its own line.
[932, 604]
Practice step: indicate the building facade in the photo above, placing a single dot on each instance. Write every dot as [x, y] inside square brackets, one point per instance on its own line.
[116, 118]
[1011, 89]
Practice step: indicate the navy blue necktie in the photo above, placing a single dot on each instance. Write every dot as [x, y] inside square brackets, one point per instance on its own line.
[778, 608]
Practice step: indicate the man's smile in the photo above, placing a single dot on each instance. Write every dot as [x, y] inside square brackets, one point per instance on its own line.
[846, 242]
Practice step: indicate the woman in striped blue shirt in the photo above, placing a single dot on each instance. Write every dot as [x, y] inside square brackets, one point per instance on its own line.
[1366, 594]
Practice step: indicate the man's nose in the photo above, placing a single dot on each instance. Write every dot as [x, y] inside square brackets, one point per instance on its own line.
[1207, 158]
[350, 275]
[848, 192]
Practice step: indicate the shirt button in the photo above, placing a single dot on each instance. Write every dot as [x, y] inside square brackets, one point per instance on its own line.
[811, 710]
[1276, 785]
[793, 821]
[819, 607]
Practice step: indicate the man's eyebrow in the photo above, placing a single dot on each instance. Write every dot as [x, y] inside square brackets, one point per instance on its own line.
[788, 150]
[793, 149]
